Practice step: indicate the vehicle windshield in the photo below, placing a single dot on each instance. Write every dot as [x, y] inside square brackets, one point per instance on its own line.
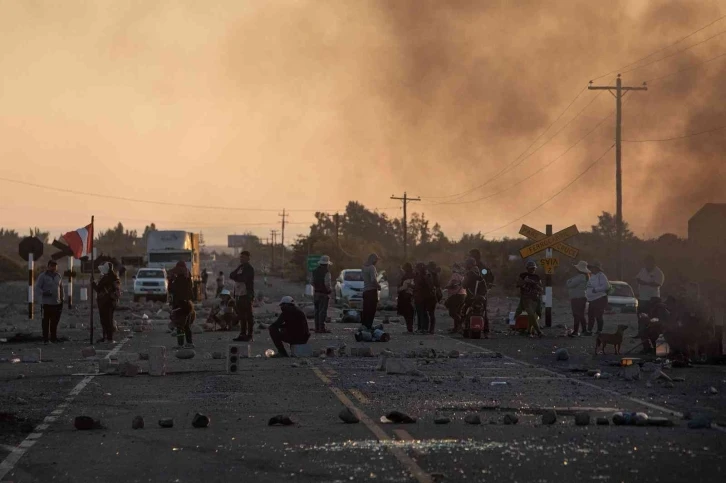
[150, 274]
[170, 257]
[622, 291]
[353, 276]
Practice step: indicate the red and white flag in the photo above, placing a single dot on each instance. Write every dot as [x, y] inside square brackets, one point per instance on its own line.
[80, 241]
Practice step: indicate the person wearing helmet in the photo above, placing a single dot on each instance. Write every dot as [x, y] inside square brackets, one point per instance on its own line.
[530, 297]
[291, 326]
[225, 313]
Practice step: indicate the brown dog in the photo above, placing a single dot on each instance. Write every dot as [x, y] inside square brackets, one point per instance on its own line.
[615, 339]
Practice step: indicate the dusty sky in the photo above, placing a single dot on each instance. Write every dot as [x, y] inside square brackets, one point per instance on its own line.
[307, 104]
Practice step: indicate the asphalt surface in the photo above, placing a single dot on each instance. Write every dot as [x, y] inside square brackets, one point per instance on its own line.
[240, 446]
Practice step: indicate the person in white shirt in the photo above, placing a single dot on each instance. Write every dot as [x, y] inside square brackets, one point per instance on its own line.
[596, 293]
[650, 279]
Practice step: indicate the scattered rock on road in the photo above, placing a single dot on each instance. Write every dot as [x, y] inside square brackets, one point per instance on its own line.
[659, 422]
[510, 419]
[347, 416]
[143, 356]
[128, 369]
[472, 419]
[700, 422]
[280, 420]
[562, 355]
[85, 423]
[712, 390]
[549, 417]
[200, 421]
[400, 418]
[454, 354]
[89, 351]
[166, 422]
[632, 373]
[602, 421]
[185, 354]
[137, 423]
[582, 419]
[619, 419]
[641, 419]
[669, 385]
[441, 420]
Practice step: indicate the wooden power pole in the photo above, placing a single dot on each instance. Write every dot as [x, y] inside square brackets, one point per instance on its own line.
[284, 216]
[405, 200]
[273, 233]
[620, 92]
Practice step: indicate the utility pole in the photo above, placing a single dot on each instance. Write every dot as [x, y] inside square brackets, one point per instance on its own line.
[405, 200]
[620, 92]
[284, 218]
[273, 233]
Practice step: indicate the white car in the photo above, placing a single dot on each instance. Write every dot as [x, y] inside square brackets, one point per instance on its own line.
[151, 283]
[622, 299]
[349, 287]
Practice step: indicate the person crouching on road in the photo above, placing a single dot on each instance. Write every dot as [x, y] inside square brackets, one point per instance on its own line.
[224, 313]
[323, 285]
[370, 291]
[108, 289]
[456, 295]
[244, 278]
[291, 326]
[405, 296]
[530, 297]
[576, 286]
[49, 290]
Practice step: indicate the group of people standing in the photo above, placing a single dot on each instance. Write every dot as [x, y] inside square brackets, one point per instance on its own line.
[420, 291]
[588, 289]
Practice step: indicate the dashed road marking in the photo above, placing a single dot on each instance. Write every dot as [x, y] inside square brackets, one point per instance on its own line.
[18, 451]
[359, 396]
[419, 474]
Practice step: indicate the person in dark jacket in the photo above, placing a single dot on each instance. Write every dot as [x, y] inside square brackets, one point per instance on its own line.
[291, 326]
[244, 288]
[423, 296]
[205, 279]
[323, 287]
[489, 277]
[49, 288]
[181, 291]
[108, 291]
[434, 271]
[371, 287]
[405, 296]
[456, 296]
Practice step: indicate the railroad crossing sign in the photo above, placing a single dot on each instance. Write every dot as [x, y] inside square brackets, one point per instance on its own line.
[550, 264]
[542, 241]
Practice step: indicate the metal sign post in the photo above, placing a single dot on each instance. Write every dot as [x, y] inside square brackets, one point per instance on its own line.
[30, 286]
[548, 242]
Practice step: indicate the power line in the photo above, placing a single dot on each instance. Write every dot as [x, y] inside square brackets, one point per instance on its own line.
[674, 53]
[165, 203]
[539, 170]
[695, 66]
[456, 195]
[675, 137]
[554, 195]
[660, 50]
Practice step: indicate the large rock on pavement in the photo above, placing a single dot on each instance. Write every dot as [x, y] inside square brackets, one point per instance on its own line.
[185, 354]
[562, 354]
[128, 369]
[347, 416]
[549, 417]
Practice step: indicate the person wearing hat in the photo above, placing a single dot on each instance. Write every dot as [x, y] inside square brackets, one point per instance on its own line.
[108, 291]
[291, 326]
[224, 313]
[49, 290]
[323, 286]
[576, 286]
[530, 297]
[597, 297]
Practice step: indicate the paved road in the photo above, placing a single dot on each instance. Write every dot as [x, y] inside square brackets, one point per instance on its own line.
[240, 446]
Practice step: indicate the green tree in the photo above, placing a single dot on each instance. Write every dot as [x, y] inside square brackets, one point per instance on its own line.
[606, 228]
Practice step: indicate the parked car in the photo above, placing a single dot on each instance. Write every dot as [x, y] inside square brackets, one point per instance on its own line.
[349, 287]
[151, 284]
[622, 298]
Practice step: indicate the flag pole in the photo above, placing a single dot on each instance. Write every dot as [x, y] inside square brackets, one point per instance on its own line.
[93, 259]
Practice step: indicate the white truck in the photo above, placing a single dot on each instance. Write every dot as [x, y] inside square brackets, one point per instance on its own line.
[164, 248]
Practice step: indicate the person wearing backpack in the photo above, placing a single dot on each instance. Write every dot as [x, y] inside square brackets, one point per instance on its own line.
[596, 293]
[108, 290]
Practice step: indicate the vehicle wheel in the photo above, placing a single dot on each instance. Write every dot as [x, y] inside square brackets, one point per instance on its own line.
[476, 335]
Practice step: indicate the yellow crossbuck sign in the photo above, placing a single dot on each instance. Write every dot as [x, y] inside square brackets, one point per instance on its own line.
[542, 241]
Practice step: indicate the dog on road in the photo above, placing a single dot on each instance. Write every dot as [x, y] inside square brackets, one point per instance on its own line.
[615, 340]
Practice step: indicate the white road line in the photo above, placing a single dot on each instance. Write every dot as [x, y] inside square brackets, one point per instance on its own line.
[588, 384]
[17, 452]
